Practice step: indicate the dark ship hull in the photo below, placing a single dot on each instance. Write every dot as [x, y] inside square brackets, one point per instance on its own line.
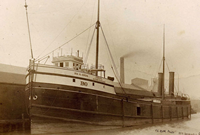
[52, 102]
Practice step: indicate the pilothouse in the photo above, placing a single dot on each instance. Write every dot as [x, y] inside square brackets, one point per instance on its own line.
[75, 62]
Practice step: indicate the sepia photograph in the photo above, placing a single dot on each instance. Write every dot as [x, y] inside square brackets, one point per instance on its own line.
[96, 67]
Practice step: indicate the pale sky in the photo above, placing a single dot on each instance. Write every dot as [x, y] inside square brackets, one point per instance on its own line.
[132, 27]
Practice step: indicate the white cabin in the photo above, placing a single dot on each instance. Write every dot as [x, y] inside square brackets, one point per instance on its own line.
[76, 63]
[69, 61]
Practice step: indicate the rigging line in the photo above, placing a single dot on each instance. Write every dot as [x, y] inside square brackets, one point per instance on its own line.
[115, 72]
[61, 31]
[167, 66]
[87, 53]
[176, 91]
[109, 52]
[158, 68]
[29, 33]
[90, 24]
[66, 42]
[118, 80]
[43, 58]
[175, 86]
[46, 59]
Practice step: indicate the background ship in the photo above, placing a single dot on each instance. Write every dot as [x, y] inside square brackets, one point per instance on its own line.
[72, 92]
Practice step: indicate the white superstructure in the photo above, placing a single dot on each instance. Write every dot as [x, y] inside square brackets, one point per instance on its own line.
[67, 70]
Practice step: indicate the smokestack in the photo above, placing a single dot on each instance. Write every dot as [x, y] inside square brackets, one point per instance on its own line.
[122, 70]
[171, 83]
[160, 80]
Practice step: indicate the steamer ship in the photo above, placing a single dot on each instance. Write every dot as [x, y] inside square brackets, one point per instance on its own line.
[68, 91]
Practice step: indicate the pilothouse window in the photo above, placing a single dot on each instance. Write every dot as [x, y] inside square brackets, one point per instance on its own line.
[77, 66]
[61, 64]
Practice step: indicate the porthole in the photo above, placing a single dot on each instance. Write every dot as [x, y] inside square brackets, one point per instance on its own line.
[74, 80]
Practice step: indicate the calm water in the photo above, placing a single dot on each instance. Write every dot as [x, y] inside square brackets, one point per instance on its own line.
[188, 127]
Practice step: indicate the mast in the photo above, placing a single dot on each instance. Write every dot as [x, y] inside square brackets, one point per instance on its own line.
[28, 29]
[163, 88]
[97, 39]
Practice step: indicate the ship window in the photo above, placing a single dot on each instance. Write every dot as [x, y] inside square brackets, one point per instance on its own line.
[74, 80]
[73, 64]
[61, 64]
[76, 66]
[93, 84]
[138, 111]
